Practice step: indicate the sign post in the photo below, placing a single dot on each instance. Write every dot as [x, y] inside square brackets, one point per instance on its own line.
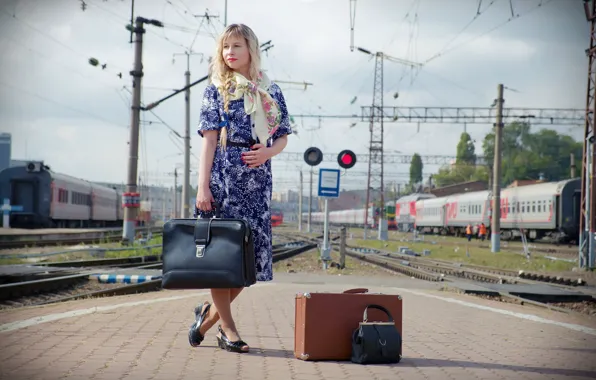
[328, 188]
[6, 210]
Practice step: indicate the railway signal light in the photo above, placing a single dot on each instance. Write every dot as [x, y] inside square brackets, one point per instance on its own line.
[346, 159]
[313, 156]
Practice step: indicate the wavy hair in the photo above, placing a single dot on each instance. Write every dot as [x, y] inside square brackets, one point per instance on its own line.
[218, 68]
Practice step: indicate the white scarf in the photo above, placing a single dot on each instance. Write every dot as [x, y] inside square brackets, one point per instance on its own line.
[258, 103]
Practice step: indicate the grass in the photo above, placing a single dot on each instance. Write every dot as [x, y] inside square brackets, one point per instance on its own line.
[454, 249]
[478, 255]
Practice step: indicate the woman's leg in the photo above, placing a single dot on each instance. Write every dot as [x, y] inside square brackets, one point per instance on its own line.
[213, 316]
[222, 301]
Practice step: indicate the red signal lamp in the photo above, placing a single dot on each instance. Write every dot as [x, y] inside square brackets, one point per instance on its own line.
[346, 159]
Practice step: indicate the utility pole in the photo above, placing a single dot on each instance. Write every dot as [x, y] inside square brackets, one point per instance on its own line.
[186, 175]
[300, 204]
[131, 198]
[352, 22]
[587, 222]
[496, 206]
[572, 165]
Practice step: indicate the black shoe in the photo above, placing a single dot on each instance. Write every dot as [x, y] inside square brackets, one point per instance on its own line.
[225, 344]
[194, 336]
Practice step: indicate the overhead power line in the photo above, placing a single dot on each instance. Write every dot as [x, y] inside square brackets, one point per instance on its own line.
[468, 115]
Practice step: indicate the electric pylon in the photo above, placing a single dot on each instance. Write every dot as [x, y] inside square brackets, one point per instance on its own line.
[375, 163]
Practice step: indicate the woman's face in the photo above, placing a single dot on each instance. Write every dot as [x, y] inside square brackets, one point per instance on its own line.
[236, 54]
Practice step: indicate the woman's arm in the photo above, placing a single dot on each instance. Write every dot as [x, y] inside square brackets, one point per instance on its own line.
[208, 129]
[278, 146]
[206, 159]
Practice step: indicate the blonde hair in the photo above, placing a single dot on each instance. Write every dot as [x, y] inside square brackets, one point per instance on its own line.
[219, 69]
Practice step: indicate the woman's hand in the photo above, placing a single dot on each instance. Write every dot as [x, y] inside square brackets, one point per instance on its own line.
[204, 199]
[256, 157]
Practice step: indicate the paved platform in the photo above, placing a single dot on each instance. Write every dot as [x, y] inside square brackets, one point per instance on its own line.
[446, 336]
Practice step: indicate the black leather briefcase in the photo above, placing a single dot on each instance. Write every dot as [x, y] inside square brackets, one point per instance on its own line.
[208, 253]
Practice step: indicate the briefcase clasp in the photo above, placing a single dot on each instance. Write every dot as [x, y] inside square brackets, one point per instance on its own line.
[200, 251]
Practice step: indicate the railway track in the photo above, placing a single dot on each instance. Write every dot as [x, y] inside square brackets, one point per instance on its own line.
[59, 287]
[70, 238]
[436, 270]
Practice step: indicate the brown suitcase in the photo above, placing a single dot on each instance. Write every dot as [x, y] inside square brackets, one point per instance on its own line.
[324, 322]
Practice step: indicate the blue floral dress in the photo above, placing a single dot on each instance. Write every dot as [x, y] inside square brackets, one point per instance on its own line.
[242, 192]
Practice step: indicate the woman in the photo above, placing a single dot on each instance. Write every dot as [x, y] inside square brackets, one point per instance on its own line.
[244, 122]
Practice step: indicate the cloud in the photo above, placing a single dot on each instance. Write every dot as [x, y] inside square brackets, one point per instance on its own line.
[537, 55]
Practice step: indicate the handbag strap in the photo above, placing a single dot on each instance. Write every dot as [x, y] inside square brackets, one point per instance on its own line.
[378, 307]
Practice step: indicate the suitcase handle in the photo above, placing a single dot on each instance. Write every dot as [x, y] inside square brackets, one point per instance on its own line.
[356, 291]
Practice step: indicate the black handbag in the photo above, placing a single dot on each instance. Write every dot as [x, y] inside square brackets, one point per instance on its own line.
[208, 253]
[376, 342]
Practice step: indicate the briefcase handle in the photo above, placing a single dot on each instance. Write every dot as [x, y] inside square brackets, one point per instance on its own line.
[217, 210]
[356, 291]
[203, 230]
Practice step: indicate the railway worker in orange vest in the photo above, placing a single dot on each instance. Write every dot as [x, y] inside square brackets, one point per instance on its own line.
[482, 232]
[469, 232]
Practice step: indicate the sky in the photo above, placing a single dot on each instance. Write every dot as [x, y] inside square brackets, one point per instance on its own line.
[76, 117]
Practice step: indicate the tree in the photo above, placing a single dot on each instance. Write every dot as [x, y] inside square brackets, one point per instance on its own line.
[527, 155]
[416, 169]
[465, 150]
[464, 169]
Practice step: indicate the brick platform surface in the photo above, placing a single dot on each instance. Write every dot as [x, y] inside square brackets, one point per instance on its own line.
[145, 336]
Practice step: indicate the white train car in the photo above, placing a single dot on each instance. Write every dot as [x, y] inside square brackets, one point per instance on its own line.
[551, 208]
[119, 207]
[539, 210]
[405, 210]
[468, 208]
[350, 218]
[430, 215]
[104, 205]
[70, 199]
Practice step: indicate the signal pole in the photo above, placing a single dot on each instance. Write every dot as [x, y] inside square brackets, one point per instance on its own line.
[496, 206]
[300, 204]
[131, 198]
[310, 204]
[175, 192]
